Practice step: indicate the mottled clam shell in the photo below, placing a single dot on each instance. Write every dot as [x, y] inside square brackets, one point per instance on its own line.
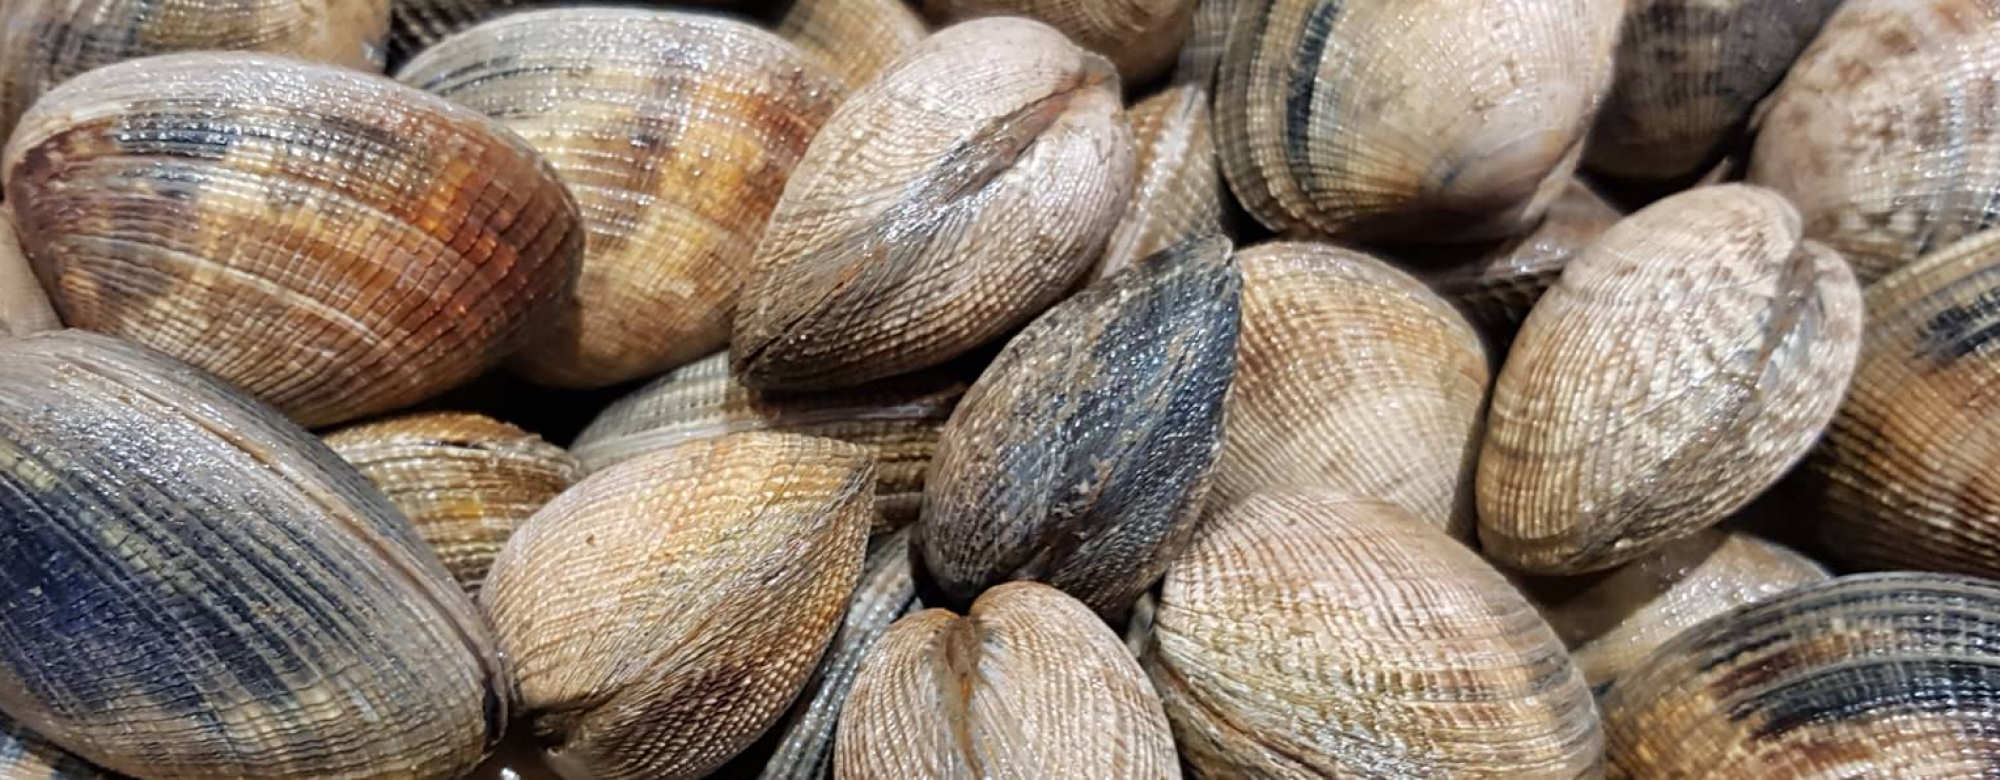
[1030, 684]
[1683, 363]
[1497, 286]
[1869, 675]
[896, 418]
[857, 39]
[25, 755]
[332, 242]
[24, 308]
[945, 204]
[1309, 634]
[197, 588]
[1389, 120]
[1886, 133]
[1179, 193]
[465, 481]
[1354, 375]
[1141, 37]
[1081, 456]
[664, 612]
[1912, 461]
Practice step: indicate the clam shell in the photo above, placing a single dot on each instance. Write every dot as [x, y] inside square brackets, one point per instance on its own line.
[414, 25]
[1683, 363]
[1179, 192]
[1141, 37]
[676, 132]
[24, 308]
[465, 481]
[1029, 685]
[1208, 35]
[1352, 374]
[332, 242]
[1385, 119]
[943, 205]
[857, 39]
[665, 611]
[1871, 675]
[1308, 634]
[197, 588]
[1499, 285]
[1886, 133]
[25, 755]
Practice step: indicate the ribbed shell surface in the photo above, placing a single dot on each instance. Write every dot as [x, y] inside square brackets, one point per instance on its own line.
[193, 587]
[1308, 634]
[676, 132]
[417, 24]
[949, 201]
[854, 38]
[1208, 34]
[1683, 363]
[24, 307]
[1869, 675]
[25, 755]
[1141, 37]
[1352, 374]
[332, 242]
[1029, 685]
[1391, 119]
[464, 480]
[1886, 132]
[1497, 287]
[665, 611]
[1179, 193]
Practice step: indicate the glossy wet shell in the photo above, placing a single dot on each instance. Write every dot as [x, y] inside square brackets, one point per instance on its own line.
[1384, 119]
[465, 481]
[943, 205]
[855, 38]
[25, 755]
[24, 308]
[1497, 286]
[898, 419]
[1877, 675]
[1030, 684]
[1307, 634]
[1179, 193]
[332, 242]
[1684, 362]
[1141, 37]
[1352, 374]
[1912, 461]
[198, 588]
[664, 612]
[676, 133]
[1886, 133]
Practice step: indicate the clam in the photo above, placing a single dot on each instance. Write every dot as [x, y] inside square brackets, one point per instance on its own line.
[943, 205]
[1208, 35]
[1886, 133]
[1141, 37]
[1309, 634]
[1179, 193]
[1081, 456]
[1387, 120]
[1029, 684]
[1682, 364]
[664, 611]
[856, 38]
[24, 755]
[332, 242]
[24, 308]
[465, 481]
[1496, 285]
[1869, 675]
[197, 588]
[1352, 374]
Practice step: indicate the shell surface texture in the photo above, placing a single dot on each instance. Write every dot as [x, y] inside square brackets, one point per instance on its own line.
[1141, 37]
[1683, 363]
[1499, 285]
[24, 307]
[856, 38]
[25, 755]
[1179, 194]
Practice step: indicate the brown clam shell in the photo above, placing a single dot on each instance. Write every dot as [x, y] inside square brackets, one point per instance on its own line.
[857, 39]
[24, 308]
[1499, 285]
[25, 755]
[1141, 37]
[1179, 193]
[1683, 363]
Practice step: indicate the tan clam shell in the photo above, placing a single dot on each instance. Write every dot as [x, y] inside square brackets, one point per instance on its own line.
[25, 755]
[943, 205]
[1309, 634]
[1886, 133]
[1030, 684]
[1386, 119]
[1683, 363]
[24, 308]
[856, 38]
[664, 612]
[1351, 374]
[1497, 287]
[1179, 193]
[1141, 37]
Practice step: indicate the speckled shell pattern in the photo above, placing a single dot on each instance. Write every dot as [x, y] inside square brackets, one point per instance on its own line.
[332, 242]
[1310, 634]
[897, 419]
[1883, 134]
[1386, 119]
[1911, 464]
[24, 307]
[1029, 684]
[466, 481]
[1690, 72]
[856, 39]
[1179, 194]
[1497, 285]
[25, 755]
[676, 133]
[1683, 363]
[1141, 37]
[197, 588]
[1352, 374]
[943, 205]
[1877, 675]
[664, 612]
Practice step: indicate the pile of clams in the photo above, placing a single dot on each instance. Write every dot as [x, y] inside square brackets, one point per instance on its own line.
[1015, 389]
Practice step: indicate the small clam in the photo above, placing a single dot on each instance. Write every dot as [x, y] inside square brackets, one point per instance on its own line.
[1141, 37]
[1179, 193]
[25, 755]
[1307, 634]
[1682, 364]
[24, 308]
[1028, 685]
[1497, 286]
[855, 38]
[944, 204]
